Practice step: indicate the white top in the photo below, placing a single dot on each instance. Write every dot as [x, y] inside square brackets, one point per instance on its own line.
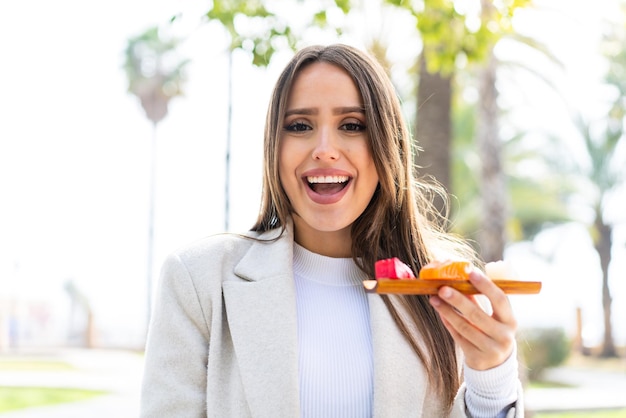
[334, 337]
[335, 346]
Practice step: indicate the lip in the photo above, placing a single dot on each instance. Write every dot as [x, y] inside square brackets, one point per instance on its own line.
[326, 199]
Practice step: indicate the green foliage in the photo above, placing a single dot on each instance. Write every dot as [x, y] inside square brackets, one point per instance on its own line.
[542, 348]
[154, 71]
[254, 28]
[446, 34]
[603, 169]
[14, 398]
[152, 47]
[464, 170]
[599, 170]
[535, 201]
[320, 18]
[617, 413]
[13, 364]
[344, 5]
[269, 29]
[442, 29]
[536, 204]
[600, 149]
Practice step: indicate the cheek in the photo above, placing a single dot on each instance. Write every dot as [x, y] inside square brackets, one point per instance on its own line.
[369, 166]
[372, 176]
[372, 182]
[285, 165]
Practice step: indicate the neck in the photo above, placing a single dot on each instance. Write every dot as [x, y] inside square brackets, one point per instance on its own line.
[337, 244]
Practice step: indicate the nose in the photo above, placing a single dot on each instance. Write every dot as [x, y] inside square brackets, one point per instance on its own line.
[325, 146]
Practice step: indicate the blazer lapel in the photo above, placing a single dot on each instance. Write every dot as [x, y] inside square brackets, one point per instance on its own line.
[399, 377]
[261, 312]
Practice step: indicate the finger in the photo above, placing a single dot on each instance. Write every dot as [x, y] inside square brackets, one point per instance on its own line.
[461, 320]
[500, 304]
[460, 339]
[469, 310]
[472, 322]
[483, 348]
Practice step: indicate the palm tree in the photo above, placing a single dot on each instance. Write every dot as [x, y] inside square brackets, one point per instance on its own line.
[601, 175]
[155, 72]
[436, 70]
[492, 237]
[433, 126]
[80, 303]
[155, 75]
[599, 169]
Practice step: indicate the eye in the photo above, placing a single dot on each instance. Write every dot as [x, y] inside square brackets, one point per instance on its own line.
[297, 127]
[353, 127]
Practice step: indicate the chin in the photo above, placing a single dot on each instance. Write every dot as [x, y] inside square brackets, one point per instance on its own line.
[316, 222]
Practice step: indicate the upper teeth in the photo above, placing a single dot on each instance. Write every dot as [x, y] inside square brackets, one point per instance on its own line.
[327, 179]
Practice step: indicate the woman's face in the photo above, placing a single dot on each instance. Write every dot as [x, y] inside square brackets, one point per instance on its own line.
[325, 161]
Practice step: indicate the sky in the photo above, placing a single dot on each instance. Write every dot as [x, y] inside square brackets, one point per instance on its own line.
[74, 157]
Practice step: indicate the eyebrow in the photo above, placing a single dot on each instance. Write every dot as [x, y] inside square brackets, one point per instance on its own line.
[336, 111]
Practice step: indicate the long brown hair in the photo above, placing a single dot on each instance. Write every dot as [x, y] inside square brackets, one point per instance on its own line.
[398, 222]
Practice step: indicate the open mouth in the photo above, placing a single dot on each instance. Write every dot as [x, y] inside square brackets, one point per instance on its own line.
[327, 185]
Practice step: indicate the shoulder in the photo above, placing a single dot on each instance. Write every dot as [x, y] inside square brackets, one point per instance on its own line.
[220, 251]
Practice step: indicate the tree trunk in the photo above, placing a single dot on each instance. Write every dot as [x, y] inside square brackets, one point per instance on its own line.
[433, 130]
[603, 247]
[492, 234]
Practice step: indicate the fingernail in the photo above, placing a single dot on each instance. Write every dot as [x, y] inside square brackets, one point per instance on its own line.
[435, 301]
[446, 292]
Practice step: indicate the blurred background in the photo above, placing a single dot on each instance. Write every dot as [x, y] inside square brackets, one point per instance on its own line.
[131, 129]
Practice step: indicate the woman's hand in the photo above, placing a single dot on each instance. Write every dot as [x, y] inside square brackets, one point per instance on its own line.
[487, 340]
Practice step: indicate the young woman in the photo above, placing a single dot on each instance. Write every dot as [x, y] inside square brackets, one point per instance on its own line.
[276, 323]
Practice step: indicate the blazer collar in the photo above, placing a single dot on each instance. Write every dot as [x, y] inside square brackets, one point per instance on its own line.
[261, 309]
[270, 255]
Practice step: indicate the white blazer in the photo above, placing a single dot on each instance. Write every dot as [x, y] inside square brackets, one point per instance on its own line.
[222, 340]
